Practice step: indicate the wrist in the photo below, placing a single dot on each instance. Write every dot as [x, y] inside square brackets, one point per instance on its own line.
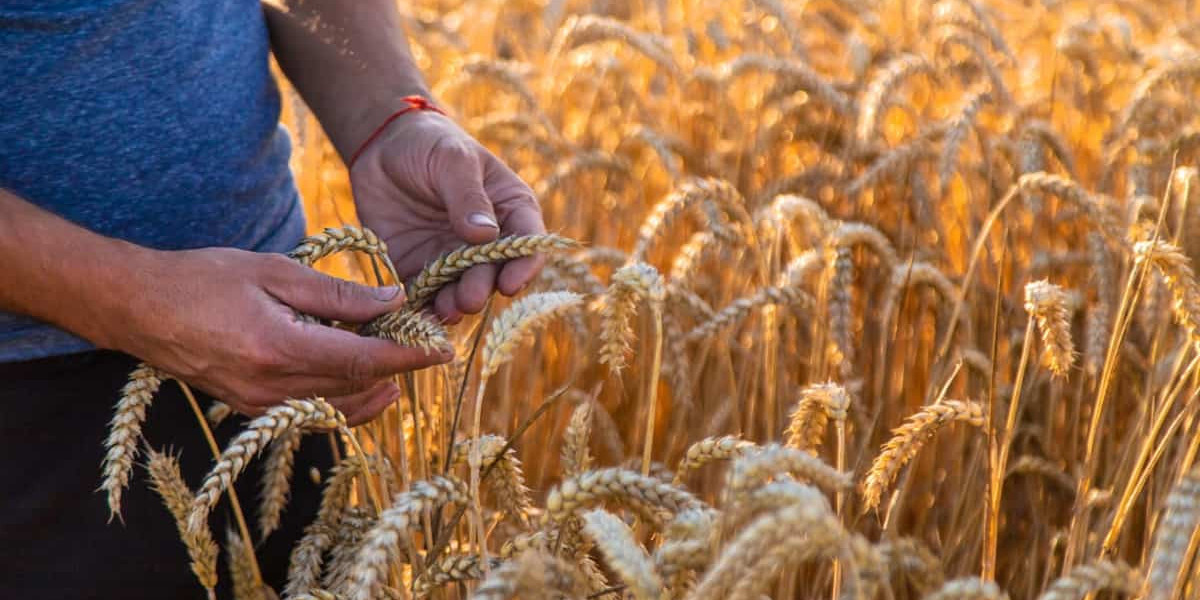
[113, 292]
[364, 124]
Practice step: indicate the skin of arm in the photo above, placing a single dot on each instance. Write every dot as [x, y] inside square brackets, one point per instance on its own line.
[424, 185]
[218, 318]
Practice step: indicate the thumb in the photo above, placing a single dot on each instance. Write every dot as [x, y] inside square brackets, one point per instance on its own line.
[320, 295]
[459, 180]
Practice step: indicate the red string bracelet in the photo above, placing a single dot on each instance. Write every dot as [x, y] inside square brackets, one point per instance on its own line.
[414, 103]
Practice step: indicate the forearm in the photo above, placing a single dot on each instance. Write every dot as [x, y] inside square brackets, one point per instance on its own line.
[64, 274]
[350, 61]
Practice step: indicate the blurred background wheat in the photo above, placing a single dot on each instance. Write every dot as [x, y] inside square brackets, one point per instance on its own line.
[921, 267]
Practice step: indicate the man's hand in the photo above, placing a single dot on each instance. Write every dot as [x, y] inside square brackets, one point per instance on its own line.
[225, 321]
[427, 187]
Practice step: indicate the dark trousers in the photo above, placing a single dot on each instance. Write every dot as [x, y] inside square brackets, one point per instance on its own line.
[55, 538]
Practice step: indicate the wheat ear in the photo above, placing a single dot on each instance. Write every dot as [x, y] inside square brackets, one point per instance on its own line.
[818, 403]
[533, 574]
[711, 449]
[410, 328]
[794, 73]
[648, 495]
[277, 480]
[454, 568]
[968, 588]
[292, 414]
[1047, 304]
[1094, 577]
[304, 566]
[630, 284]
[739, 309]
[576, 457]
[624, 555]
[881, 90]
[1173, 539]
[738, 559]
[382, 542]
[595, 160]
[908, 439]
[352, 529]
[687, 543]
[914, 561]
[451, 266]
[1176, 271]
[337, 239]
[754, 468]
[518, 323]
[167, 481]
[240, 560]
[125, 430]
[714, 198]
[508, 480]
[960, 125]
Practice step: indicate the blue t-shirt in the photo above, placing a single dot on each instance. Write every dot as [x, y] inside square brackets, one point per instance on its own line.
[154, 121]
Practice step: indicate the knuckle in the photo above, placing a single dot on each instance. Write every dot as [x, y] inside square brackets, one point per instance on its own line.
[263, 356]
[339, 291]
[360, 368]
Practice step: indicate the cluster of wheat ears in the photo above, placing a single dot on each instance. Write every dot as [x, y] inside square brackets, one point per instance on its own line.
[865, 299]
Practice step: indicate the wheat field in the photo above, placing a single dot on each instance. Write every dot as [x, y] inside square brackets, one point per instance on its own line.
[858, 299]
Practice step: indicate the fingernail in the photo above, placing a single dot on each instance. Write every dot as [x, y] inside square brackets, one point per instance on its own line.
[479, 219]
[386, 293]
